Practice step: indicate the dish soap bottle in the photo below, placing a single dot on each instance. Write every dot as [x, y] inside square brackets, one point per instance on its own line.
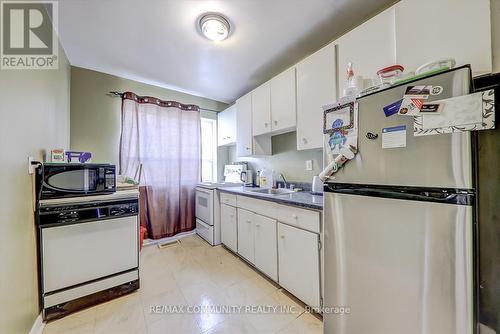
[265, 179]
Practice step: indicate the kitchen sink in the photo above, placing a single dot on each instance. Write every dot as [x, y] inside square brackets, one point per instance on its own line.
[279, 191]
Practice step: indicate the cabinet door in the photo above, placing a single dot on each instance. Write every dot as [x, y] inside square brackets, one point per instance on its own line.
[246, 235]
[283, 101]
[370, 47]
[221, 128]
[244, 126]
[266, 248]
[261, 109]
[229, 227]
[226, 126]
[460, 29]
[316, 86]
[298, 254]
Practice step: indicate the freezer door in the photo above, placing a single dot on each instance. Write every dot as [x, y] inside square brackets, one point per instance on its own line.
[427, 161]
[400, 266]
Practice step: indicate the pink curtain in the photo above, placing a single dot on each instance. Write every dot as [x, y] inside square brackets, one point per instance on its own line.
[163, 136]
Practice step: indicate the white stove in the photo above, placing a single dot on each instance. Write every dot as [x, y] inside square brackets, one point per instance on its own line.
[208, 203]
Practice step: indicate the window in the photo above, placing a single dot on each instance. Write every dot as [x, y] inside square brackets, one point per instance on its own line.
[208, 150]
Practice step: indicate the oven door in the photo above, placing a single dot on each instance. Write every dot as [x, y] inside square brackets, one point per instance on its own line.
[77, 253]
[204, 205]
[75, 180]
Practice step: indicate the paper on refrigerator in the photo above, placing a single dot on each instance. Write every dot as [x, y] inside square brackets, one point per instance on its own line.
[340, 126]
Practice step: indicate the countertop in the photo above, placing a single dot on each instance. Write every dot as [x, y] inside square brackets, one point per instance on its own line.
[303, 199]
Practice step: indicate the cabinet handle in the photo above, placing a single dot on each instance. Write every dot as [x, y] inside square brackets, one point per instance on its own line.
[248, 148]
[294, 216]
[304, 140]
[282, 236]
[249, 222]
[275, 122]
[257, 225]
[265, 124]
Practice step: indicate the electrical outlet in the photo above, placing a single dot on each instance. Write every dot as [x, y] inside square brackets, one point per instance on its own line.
[31, 167]
[309, 165]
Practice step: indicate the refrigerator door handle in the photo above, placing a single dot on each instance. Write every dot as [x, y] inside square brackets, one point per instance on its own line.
[438, 195]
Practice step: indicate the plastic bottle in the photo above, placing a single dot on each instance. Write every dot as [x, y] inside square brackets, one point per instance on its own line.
[266, 179]
[350, 88]
[272, 182]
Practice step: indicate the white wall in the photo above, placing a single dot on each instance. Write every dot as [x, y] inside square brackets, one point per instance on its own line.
[34, 116]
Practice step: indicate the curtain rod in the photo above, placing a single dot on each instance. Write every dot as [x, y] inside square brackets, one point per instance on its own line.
[118, 94]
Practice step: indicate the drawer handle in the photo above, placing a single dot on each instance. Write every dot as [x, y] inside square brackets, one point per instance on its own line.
[249, 222]
[294, 216]
[257, 225]
[282, 236]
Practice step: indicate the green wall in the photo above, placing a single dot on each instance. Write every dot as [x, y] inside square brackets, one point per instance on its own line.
[95, 116]
[34, 117]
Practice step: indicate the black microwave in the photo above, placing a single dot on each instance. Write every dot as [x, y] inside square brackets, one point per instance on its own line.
[58, 180]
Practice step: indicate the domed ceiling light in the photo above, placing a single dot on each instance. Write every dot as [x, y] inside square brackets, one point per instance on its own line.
[215, 27]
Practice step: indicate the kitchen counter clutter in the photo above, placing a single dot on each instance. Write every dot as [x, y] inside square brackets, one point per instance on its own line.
[300, 199]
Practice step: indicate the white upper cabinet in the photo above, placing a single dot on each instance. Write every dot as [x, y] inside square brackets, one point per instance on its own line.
[261, 109]
[226, 126]
[283, 102]
[459, 29]
[316, 86]
[244, 141]
[370, 46]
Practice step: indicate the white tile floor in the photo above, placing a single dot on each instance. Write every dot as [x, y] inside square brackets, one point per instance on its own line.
[192, 273]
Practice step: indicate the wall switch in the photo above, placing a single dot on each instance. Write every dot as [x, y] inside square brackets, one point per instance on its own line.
[31, 167]
[309, 165]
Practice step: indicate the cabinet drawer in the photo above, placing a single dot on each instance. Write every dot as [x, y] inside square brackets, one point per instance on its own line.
[264, 208]
[305, 219]
[228, 199]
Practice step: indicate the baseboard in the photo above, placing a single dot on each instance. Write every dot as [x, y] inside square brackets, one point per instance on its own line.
[38, 326]
[148, 242]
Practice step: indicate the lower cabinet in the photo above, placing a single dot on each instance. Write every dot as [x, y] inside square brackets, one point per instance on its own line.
[229, 227]
[266, 250]
[279, 240]
[257, 242]
[298, 258]
[246, 246]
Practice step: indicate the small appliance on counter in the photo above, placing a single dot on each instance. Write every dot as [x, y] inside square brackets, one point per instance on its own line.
[238, 172]
[57, 180]
[88, 237]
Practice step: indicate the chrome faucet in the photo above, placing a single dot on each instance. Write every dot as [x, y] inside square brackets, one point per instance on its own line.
[284, 180]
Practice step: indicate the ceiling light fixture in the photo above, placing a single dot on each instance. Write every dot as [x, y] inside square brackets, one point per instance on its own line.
[214, 26]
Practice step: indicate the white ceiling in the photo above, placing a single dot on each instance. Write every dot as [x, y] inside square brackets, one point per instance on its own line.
[156, 41]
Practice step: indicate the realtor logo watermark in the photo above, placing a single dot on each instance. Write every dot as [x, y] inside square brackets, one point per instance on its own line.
[28, 35]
